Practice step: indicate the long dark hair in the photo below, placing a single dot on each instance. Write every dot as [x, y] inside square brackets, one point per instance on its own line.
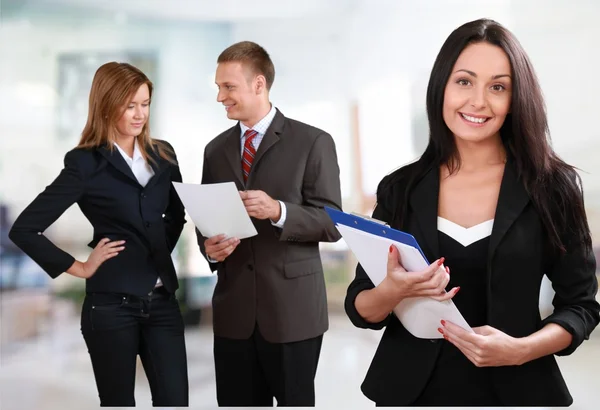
[553, 185]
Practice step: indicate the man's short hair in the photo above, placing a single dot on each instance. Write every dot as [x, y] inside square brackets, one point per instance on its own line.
[251, 55]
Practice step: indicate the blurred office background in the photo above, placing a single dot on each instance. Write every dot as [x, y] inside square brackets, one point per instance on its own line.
[356, 68]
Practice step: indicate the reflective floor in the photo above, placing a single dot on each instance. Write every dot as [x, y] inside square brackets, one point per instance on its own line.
[53, 372]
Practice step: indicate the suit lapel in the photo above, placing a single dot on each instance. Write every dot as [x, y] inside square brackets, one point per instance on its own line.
[512, 200]
[233, 153]
[271, 138]
[158, 164]
[424, 202]
[116, 160]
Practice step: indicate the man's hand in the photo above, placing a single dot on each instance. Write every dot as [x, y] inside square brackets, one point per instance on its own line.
[260, 205]
[216, 248]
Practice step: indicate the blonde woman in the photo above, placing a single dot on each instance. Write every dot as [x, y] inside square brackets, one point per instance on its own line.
[121, 179]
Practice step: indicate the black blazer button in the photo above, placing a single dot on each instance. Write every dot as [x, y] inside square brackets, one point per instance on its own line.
[143, 195]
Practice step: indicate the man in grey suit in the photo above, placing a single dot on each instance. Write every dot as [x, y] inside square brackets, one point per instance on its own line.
[269, 304]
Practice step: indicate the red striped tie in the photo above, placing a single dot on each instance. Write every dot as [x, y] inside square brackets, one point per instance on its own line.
[248, 154]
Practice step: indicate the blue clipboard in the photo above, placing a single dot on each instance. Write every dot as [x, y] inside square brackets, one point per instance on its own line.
[373, 228]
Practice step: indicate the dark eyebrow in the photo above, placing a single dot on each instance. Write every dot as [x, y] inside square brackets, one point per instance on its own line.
[495, 77]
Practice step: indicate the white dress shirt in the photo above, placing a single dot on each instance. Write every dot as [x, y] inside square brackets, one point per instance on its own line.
[141, 170]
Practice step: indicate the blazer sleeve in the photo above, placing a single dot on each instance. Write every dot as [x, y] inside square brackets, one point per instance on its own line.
[309, 222]
[174, 218]
[28, 230]
[362, 282]
[573, 277]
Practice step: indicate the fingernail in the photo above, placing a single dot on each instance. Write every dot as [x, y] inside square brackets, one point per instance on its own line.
[441, 261]
[448, 270]
[445, 337]
[443, 322]
[440, 330]
[391, 248]
[457, 289]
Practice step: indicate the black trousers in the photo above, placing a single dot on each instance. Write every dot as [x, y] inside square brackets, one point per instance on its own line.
[251, 372]
[117, 328]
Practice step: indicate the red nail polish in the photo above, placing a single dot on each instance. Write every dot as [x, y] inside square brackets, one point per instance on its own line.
[448, 270]
[440, 330]
[391, 248]
[441, 261]
[457, 289]
[443, 322]
[445, 337]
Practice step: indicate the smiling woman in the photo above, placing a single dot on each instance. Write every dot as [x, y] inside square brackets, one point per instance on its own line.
[491, 201]
[478, 93]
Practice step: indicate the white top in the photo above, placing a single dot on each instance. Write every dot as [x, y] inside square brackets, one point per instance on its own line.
[140, 168]
[462, 235]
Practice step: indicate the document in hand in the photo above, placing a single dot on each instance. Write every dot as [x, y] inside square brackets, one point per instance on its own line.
[216, 209]
[370, 242]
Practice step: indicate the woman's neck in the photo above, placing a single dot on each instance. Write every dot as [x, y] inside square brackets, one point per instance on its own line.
[477, 155]
[127, 144]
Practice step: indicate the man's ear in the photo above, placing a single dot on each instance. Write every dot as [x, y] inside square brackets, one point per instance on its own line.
[260, 84]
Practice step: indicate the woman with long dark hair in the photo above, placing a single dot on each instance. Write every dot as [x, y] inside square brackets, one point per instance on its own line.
[491, 201]
[121, 178]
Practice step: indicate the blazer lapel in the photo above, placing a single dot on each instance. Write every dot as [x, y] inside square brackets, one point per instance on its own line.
[271, 138]
[424, 202]
[512, 200]
[115, 159]
[158, 164]
[233, 153]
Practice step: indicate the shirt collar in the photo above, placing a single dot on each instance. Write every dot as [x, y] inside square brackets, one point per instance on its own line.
[137, 154]
[261, 126]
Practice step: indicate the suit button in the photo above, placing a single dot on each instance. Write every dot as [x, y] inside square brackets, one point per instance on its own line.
[250, 266]
[148, 224]
[143, 195]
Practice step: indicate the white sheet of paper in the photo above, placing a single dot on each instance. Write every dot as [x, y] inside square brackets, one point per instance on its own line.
[216, 209]
[421, 316]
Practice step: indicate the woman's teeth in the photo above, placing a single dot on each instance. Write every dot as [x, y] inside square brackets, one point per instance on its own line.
[473, 119]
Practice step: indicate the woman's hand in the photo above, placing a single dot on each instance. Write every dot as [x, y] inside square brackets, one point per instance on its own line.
[487, 346]
[430, 282]
[103, 251]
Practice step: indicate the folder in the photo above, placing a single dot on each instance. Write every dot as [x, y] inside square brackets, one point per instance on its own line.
[369, 241]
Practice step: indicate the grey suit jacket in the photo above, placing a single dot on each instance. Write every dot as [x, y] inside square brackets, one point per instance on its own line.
[275, 279]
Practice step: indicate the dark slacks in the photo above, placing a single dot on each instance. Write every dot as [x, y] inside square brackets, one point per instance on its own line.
[117, 328]
[252, 372]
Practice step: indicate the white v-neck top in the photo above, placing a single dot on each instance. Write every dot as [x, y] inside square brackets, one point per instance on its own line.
[462, 235]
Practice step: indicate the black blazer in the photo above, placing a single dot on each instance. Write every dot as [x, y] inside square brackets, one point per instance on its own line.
[518, 257]
[150, 219]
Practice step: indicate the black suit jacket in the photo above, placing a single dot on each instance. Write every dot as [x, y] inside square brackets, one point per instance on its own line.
[519, 256]
[276, 278]
[150, 219]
